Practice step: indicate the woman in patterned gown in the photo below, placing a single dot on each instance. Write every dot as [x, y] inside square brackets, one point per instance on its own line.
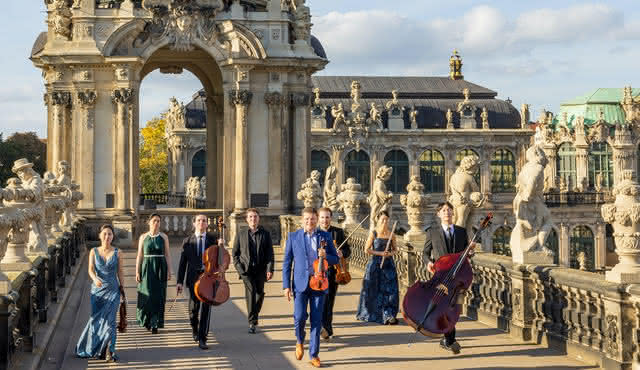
[105, 270]
[379, 298]
[153, 270]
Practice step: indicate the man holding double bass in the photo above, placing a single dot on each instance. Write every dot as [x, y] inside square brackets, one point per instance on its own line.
[443, 239]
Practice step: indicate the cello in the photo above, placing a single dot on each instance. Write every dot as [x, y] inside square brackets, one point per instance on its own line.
[431, 307]
[320, 278]
[212, 288]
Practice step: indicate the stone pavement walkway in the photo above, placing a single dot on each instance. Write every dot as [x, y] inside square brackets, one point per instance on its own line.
[356, 345]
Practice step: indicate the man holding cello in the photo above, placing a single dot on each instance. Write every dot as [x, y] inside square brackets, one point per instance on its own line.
[443, 240]
[312, 251]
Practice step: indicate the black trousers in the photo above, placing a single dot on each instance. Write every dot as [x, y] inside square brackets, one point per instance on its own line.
[198, 315]
[450, 337]
[254, 294]
[329, 300]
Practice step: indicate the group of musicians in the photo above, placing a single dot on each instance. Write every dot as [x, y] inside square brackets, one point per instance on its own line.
[253, 258]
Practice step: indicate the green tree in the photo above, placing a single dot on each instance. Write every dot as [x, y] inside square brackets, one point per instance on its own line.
[154, 171]
[21, 145]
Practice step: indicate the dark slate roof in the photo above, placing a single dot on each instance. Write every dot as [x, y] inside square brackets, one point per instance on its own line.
[38, 45]
[196, 111]
[317, 47]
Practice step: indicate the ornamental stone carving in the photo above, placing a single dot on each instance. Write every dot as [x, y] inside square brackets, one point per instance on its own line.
[350, 199]
[60, 19]
[311, 192]
[533, 219]
[413, 117]
[274, 98]
[449, 116]
[176, 115]
[380, 199]
[524, 116]
[465, 193]
[339, 120]
[375, 117]
[122, 96]
[55, 202]
[624, 215]
[330, 190]
[415, 202]
[630, 105]
[599, 131]
[611, 342]
[302, 23]
[240, 97]
[300, 99]
[485, 118]
[393, 105]
[87, 100]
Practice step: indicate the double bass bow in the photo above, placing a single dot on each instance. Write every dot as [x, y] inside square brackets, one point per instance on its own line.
[212, 288]
[431, 307]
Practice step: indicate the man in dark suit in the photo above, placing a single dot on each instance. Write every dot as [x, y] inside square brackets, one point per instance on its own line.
[324, 222]
[303, 248]
[193, 248]
[253, 259]
[443, 239]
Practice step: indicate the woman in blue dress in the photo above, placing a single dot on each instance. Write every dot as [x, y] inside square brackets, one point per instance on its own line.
[379, 298]
[98, 340]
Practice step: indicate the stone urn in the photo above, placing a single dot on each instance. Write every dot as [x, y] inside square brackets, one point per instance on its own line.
[20, 213]
[624, 215]
[415, 202]
[350, 199]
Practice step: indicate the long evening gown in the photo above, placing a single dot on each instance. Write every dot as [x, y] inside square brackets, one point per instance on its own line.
[152, 290]
[379, 297]
[100, 331]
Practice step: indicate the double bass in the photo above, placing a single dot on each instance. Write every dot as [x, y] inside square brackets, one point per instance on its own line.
[431, 307]
[320, 278]
[212, 288]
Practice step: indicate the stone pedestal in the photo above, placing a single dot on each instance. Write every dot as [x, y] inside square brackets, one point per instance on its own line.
[123, 226]
[532, 257]
[350, 200]
[396, 123]
[415, 202]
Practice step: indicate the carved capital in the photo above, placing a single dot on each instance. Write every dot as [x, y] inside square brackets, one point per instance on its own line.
[240, 97]
[87, 98]
[122, 96]
[300, 99]
[60, 98]
[273, 98]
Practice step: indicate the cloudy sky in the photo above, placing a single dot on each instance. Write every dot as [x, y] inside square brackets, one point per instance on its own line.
[538, 52]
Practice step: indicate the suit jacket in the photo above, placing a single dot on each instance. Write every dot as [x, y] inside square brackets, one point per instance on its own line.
[436, 247]
[190, 262]
[295, 253]
[264, 252]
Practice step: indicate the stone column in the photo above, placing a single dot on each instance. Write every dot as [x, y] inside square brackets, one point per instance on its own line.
[551, 169]
[582, 165]
[83, 164]
[301, 126]
[241, 100]
[60, 100]
[563, 245]
[485, 171]
[122, 99]
[275, 102]
[449, 167]
[600, 257]
[336, 160]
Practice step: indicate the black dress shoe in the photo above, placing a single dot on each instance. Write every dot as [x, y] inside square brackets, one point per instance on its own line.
[154, 331]
[195, 337]
[252, 329]
[453, 347]
[203, 345]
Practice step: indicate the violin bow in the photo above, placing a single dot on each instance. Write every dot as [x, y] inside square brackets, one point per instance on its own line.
[386, 249]
[353, 232]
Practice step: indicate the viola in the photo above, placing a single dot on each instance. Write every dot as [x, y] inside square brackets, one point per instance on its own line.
[431, 307]
[342, 270]
[212, 287]
[320, 278]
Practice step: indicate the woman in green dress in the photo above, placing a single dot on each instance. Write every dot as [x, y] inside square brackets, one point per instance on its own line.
[153, 270]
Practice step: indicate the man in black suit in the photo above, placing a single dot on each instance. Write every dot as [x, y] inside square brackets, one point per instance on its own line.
[444, 239]
[191, 265]
[324, 222]
[254, 260]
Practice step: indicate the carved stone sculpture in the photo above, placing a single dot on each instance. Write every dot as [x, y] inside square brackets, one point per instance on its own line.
[449, 119]
[203, 188]
[55, 203]
[63, 178]
[176, 115]
[350, 199]
[465, 193]
[415, 202]
[337, 112]
[310, 192]
[302, 24]
[524, 116]
[60, 19]
[413, 118]
[34, 186]
[375, 118]
[533, 219]
[380, 199]
[331, 189]
[485, 118]
[624, 215]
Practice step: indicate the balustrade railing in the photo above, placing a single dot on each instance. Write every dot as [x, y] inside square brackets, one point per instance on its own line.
[571, 198]
[174, 200]
[176, 222]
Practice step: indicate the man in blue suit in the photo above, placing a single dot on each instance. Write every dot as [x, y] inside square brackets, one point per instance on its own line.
[302, 249]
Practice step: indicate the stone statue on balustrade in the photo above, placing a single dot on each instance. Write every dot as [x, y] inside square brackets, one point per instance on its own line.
[465, 192]
[311, 192]
[331, 189]
[350, 199]
[375, 117]
[339, 120]
[63, 178]
[380, 199]
[624, 215]
[56, 197]
[415, 202]
[533, 219]
[203, 188]
[33, 184]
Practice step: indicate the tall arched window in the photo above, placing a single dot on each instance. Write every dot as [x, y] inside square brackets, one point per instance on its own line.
[503, 172]
[199, 164]
[397, 159]
[431, 164]
[566, 163]
[463, 153]
[500, 241]
[356, 165]
[552, 243]
[320, 161]
[601, 163]
[581, 241]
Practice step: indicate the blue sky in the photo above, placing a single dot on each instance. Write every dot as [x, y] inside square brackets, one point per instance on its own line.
[538, 52]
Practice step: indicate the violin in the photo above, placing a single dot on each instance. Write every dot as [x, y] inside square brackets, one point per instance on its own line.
[431, 307]
[212, 288]
[320, 278]
[342, 270]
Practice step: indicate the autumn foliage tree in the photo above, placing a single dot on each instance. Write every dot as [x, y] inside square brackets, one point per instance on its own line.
[21, 145]
[154, 173]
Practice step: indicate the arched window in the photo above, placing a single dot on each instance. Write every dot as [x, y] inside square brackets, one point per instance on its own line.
[500, 241]
[601, 163]
[397, 159]
[566, 164]
[431, 164]
[320, 161]
[503, 172]
[581, 241]
[199, 164]
[463, 153]
[552, 243]
[356, 165]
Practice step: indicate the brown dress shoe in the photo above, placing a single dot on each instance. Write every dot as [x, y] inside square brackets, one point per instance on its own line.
[299, 351]
[315, 362]
[324, 334]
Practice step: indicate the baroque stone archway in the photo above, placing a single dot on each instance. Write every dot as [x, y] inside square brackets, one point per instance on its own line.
[256, 72]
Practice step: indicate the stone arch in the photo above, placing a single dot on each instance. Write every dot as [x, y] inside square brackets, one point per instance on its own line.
[198, 163]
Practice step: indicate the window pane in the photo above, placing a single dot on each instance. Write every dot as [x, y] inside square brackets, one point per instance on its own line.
[320, 161]
[357, 166]
[566, 164]
[601, 163]
[397, 159]
[581, 242]
[501, 238]
[503, 172]
[431, 164]
[199, 164]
